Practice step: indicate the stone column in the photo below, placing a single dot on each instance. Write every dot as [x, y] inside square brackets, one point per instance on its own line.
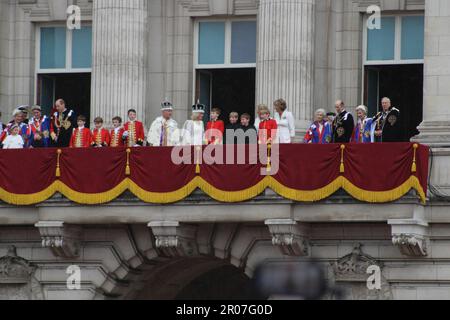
[285, 61]
[435, 128]
[119, 64]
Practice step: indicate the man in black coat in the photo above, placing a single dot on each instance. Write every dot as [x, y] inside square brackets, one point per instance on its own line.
[62, 125]
[343, 124]
[388, 127]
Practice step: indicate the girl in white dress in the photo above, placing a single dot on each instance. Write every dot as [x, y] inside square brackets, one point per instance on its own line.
[14, 140]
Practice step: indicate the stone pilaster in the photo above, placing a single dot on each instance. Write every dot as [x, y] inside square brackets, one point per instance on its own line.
[435, 129]
[119, 62]
[285, 61]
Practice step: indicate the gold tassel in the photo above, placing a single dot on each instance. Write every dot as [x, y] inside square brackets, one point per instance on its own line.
[342, 168]
[58, 168]
[128, 169]
[197, 161]
[414, 165]
[269, 156]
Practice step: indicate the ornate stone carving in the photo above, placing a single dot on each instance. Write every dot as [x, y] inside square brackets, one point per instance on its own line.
[14, 269]
[173, 239]
[410, 236]
[353, 267]
[62, 239]
[289, 236]
[350, 274]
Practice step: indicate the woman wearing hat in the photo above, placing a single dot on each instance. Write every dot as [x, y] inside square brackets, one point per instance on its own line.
[194, 130]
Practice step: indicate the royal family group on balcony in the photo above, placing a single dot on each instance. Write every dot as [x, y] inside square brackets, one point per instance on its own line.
[63, 128]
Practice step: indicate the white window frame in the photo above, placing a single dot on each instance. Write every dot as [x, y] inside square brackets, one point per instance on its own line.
[228, 37]
[69, 38]
[398, 42]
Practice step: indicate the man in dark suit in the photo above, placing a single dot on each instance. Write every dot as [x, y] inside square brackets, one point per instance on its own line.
[343, 124]
[388, 123]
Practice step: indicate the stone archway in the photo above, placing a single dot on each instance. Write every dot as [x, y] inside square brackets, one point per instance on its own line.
[194, 279]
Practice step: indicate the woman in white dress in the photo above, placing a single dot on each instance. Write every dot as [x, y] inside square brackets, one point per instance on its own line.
[193, 133]
[285, 121]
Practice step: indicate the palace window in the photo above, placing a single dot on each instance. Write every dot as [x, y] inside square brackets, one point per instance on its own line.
[393, 58]
[225, 44]
[61, 50]
[63, 67]
[400, 40]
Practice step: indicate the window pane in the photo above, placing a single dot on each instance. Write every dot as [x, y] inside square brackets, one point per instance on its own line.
[53, 48]
[243, 42]
[381, 43]
[82, 48]
[211, 43]
[413, 34]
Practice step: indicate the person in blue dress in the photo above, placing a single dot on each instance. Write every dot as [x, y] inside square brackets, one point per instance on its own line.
[320, 131]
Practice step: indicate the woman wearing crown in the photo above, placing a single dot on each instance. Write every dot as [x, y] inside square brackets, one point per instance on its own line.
[194, 130]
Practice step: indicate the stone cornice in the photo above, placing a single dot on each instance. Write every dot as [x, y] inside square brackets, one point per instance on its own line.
[219, 7]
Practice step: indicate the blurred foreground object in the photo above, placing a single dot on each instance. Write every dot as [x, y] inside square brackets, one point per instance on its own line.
[305, 280]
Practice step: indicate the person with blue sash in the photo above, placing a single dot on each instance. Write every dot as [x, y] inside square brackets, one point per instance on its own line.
[320, 131]
[40, 127]
[365, 128]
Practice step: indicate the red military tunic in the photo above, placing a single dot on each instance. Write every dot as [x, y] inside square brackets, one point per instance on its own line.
[81, 138]
[117, 138]
[101, 137]
[266, 133]
[210, 136]
[136, 133]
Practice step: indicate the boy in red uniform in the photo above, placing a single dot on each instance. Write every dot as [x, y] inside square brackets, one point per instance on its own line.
[82, 136]
[117, 133]
[134, 131]
[214, 128]
[267, 128]
[100, 135]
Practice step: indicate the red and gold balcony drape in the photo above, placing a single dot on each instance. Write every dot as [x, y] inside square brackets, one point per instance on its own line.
[374, 173]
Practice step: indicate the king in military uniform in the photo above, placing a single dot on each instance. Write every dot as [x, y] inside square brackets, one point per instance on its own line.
[388, 123]
[343, 124]
[62, 125]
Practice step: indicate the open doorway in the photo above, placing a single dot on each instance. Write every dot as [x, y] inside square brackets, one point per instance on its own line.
[227, 89]
[403, 84]
[74, 88]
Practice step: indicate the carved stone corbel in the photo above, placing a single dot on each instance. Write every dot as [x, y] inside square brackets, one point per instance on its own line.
[174, 239]
[289, 236]
[62, 239]
[410, 236]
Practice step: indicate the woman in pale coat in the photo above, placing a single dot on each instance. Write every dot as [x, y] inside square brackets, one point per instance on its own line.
[285, 121]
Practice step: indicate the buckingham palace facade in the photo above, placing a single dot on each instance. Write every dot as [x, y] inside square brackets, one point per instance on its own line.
[233, 54]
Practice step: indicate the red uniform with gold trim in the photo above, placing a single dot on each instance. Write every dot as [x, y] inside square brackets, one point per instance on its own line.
[136, 133]
[214, 125]
[101, 137]
[267, 131]
[117, 138]
[81, 138]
